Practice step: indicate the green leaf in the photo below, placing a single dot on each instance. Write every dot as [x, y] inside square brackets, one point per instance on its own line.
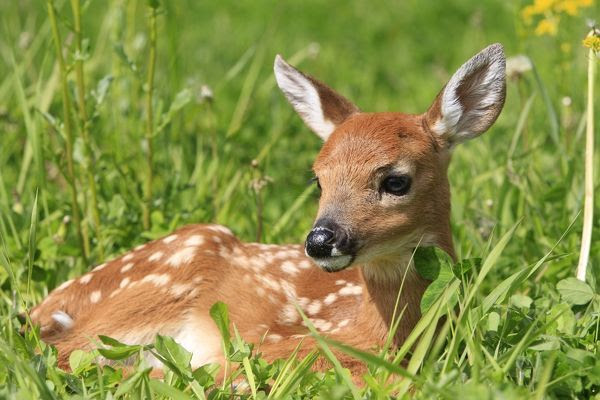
[436, 288]
[118, 350]
[173, 355]
[563, 319]
[168, 391]
[520, 301]
[429, 260]
[206, 375]
[80, 360]
[132, 382]
[219, 314]
[110, 341]
[461, 268]
[493, 321]
[119, 353]
[548, 343]
[574, 291]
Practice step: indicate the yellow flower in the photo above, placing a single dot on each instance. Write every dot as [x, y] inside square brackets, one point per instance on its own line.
[572, 7]
[548, 26]
[592, 42]
[538, 7]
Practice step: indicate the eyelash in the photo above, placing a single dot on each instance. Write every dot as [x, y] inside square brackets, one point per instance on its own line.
[314, 179]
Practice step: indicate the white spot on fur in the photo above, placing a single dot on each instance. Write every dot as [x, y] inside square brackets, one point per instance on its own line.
[220, 229]
[157, 279]
[84, 280]
[126, 267]
[290, 268]
[320, 324]
[169, 239]
[183, 256]
[115, 292]
[288, 289]
[340, 282]
[95, 296]
[194, 240]
[274, 338]
[177, 289]
[343, 323]
[314, 307]
[257, 263]
[303, 302]
[100, 267]
[63, 319]
[157, 255]
[127, 257]
[64, 285]
[289, 315]
[350, 289]
[140, 247]
[260, 291]
[330, 299]
[124, 283]
[270, 282]
[304, 264]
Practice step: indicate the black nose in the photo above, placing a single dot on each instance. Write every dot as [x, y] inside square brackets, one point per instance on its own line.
[320, 241]
[327, 235]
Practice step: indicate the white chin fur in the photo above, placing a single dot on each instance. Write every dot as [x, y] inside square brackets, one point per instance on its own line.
[333, 263]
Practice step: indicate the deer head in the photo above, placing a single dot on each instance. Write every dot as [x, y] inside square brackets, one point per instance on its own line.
[383, 176]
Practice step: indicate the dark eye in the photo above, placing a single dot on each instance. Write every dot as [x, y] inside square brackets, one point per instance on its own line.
[396, 185]
[316, 180]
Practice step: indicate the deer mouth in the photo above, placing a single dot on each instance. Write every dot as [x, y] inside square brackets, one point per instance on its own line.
[334, 263]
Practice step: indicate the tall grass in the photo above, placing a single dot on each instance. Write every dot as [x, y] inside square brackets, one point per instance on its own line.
[122, 120]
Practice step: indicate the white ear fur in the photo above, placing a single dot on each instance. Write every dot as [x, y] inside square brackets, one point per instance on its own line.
[472, 99]
[305, 95]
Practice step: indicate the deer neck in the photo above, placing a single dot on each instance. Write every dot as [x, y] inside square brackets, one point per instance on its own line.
[392, 289]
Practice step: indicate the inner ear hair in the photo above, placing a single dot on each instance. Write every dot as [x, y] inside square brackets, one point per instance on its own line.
[471, 100]
[319, 106]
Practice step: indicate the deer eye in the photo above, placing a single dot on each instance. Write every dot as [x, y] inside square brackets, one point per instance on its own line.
[397, 185]
[316, 180]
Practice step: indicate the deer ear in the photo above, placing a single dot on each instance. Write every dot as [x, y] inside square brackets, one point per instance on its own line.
[321, 108]
[473, 98]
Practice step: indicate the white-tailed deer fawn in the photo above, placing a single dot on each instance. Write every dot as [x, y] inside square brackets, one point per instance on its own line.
[384, 189]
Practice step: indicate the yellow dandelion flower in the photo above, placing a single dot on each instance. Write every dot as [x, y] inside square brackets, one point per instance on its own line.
[538, 7]
[572, 7]
[592, 42]
[548, 26]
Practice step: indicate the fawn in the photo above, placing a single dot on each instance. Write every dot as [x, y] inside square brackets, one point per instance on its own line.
[384, 190]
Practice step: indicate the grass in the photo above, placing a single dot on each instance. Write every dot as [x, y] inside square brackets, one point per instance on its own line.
[112, 147]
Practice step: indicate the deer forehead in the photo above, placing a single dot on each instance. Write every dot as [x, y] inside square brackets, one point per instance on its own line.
[367, 142]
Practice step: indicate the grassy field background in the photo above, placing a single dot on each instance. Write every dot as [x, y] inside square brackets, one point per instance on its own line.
[216, 109]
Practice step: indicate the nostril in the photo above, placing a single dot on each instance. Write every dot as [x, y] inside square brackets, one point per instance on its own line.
[319, 242]
[324, 234]
[342, 240]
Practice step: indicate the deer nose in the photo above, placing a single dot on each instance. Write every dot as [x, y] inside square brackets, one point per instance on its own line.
[319, 242]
